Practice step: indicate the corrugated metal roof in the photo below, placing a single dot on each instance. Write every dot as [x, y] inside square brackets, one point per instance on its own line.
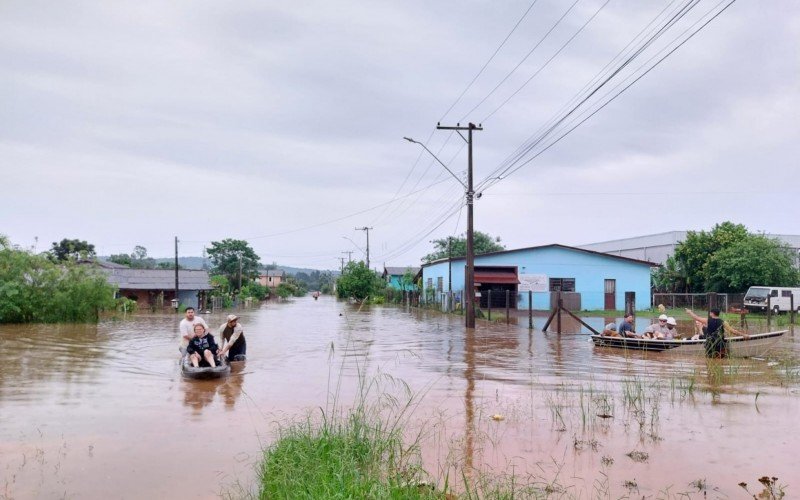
[275, 273]
[157, 279]
[399, 271]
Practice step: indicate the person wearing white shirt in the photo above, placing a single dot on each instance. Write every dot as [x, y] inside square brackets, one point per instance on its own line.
[187, 328]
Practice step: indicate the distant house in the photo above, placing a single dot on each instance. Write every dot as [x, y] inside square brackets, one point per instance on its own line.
[156, 287]
[394, 275]
[272, 278]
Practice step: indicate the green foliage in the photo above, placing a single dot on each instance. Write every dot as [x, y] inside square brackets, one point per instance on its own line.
[138, 259]
[254, 289]
[756, 260]
[483, 243]
[226, 255]
[125, 305]
[220, 286]
[290, 288]
[316, 280]
[726, 259]
[68, 249]
[359, 282]
[407, 283]
[34, 289]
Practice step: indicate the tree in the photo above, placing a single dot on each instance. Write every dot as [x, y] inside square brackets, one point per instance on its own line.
[225, 256]
[139, 253]
[693, 254]
[359, 282]
[71, 250]
[756, 260]
[407, 281]
[482, 243]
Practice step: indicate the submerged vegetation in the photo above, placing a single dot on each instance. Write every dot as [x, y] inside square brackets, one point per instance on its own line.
[37, 289]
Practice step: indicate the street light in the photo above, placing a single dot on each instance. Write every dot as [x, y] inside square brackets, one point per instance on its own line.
[469, 264]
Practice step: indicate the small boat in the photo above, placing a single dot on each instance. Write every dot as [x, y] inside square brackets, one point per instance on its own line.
[756, 344]
[223, 369]
[238, 357]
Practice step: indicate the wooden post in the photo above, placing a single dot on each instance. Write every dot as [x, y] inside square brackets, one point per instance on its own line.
[769, 310]
[508, 297]
[559, 306]
[530, 309]
[712, 299]
[489, 304]
[791, 306]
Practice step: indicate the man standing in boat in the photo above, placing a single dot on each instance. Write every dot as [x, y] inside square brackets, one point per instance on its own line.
[714, 331]
[231, 338]
[186, 327]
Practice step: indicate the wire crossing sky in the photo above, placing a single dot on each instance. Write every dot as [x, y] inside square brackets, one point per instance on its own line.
[130, 123]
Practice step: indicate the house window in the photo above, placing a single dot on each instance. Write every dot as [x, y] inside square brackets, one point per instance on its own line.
[786, 293]
[430, 283]
[439, 284]
[562, 284]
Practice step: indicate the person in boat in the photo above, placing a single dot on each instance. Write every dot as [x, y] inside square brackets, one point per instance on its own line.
[231, 337]
[186, 327]
[659, 329]
[672, 329]
[202, 347]
[611, 331]
[715, 329]
[626, 328]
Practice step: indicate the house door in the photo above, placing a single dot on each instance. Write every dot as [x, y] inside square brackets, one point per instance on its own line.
[610, 295]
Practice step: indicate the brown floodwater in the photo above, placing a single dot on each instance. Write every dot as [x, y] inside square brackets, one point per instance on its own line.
[101, 411]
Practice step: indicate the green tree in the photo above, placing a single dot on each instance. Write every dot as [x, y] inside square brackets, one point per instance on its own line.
[121, 258]
[693, 254]
[407, 283]
[756, 260]
[68, 249]
[359, 282]
[483, 243]
[35, 289]
[225, 255]
[139, 253]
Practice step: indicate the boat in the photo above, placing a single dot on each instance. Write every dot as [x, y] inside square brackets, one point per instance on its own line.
[757, 344]
[223, 369]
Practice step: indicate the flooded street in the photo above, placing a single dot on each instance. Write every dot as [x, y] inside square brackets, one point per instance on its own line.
[101, 411]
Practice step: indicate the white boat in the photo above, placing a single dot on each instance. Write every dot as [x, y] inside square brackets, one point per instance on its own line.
[757, 344]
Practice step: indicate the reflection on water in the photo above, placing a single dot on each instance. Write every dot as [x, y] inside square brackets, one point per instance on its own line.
[110, 399]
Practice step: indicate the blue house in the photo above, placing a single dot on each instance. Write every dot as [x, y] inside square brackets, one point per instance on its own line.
[394, 275]
[588, 280]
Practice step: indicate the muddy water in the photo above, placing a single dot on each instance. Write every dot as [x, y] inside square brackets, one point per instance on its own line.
[101, 411]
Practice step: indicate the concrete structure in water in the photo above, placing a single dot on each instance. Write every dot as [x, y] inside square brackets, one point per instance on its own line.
[658, 247]
[592, 280]
[394, 275]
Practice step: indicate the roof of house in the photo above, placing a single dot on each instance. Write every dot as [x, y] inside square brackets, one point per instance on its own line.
[399, 271]
[109, 265]
[553, 245]
[157, 279]
[274, 273]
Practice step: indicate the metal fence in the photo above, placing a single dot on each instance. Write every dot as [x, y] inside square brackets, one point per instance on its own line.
[725, 301]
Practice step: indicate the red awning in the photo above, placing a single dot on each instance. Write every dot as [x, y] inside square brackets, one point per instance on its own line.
[496, 277]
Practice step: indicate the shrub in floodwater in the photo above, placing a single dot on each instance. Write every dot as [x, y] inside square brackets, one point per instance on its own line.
[33, 289]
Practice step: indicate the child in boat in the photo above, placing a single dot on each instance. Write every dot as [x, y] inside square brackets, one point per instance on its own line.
[202, 347]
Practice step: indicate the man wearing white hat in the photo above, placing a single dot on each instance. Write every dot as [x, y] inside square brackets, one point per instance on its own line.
[660, 330]
[231, 339]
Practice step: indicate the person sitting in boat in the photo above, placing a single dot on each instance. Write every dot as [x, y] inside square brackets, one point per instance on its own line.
[186, 327]
[659, 330]
[715, 330]
[672, 329]
[202, 348]
[231, 335]
[610, 330]
[626, 328]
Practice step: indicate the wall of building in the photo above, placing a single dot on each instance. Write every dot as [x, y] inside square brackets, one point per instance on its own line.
[589, 271]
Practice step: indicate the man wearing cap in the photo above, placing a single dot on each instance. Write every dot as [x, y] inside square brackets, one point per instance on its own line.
[231, 338]
[660, 330]
[186, 327]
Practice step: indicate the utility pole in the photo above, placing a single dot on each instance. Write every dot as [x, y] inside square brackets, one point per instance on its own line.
[177, 288]
[366, 229]
[349, 255]
[449, 264]
[469, 268]
[341, 259]
[240, 273]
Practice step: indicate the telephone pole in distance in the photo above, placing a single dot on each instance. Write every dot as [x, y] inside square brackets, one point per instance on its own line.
[366, 229]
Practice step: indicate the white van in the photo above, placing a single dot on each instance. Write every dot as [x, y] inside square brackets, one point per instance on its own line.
[780, 298]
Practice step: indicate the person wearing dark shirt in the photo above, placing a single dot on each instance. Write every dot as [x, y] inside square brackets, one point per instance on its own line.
[714, 331]
[201, 347]
[626, 328]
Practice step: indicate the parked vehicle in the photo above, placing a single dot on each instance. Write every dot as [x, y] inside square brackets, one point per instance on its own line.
[779, 299]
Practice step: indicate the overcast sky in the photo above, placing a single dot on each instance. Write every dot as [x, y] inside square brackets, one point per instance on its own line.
[126, 123]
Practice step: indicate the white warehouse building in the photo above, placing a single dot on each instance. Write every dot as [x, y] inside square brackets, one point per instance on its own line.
[658, 247]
